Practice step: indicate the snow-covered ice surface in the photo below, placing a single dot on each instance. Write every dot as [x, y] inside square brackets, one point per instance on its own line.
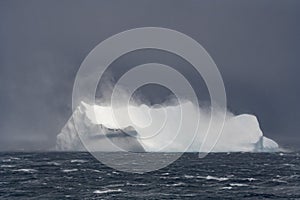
[99, 131]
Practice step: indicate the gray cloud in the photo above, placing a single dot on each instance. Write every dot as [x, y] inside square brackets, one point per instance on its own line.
[255, 44]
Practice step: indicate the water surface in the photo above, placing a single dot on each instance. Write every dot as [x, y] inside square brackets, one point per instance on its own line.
[217, 176]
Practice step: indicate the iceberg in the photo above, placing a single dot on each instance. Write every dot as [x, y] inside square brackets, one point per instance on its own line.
[94, 136]
[94, 127]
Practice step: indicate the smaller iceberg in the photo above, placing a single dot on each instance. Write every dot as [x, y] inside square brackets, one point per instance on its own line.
[243, 133]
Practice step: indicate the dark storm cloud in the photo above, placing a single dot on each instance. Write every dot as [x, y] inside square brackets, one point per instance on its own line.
[255, 44]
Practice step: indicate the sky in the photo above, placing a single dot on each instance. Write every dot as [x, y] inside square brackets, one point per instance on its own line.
[255, 44]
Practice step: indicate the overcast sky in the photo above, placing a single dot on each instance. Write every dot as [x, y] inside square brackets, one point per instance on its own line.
[256, 45]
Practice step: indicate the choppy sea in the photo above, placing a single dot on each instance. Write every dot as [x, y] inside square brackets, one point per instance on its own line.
[61, 175]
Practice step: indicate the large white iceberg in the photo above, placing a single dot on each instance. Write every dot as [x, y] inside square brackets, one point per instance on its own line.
[93, 127]
[93, 136]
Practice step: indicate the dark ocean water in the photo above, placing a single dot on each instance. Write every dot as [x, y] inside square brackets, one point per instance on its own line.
[217, 176]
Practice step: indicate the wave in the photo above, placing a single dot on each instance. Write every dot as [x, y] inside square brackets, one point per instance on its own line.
[107, 191]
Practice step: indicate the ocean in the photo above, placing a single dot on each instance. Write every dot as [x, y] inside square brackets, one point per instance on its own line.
[78, 175]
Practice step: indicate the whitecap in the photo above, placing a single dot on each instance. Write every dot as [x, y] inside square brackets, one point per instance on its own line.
[107, 191]
[25, 170]
[7, 166]
[10, 159]
[214, 178]
[278, 180]
[251, 179]
[53, 163]
[247, 179]
[176, 184]
[238, 184]
[188, 176]
[92, 170]
[78, 161]
[14, 158]
[70, 170]
[115, 185]
[136, 184]
[6, 160]
[226, 188]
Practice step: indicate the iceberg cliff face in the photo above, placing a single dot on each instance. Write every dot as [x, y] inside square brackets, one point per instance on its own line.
[99, 132]
[243, 133]
[95, 137]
